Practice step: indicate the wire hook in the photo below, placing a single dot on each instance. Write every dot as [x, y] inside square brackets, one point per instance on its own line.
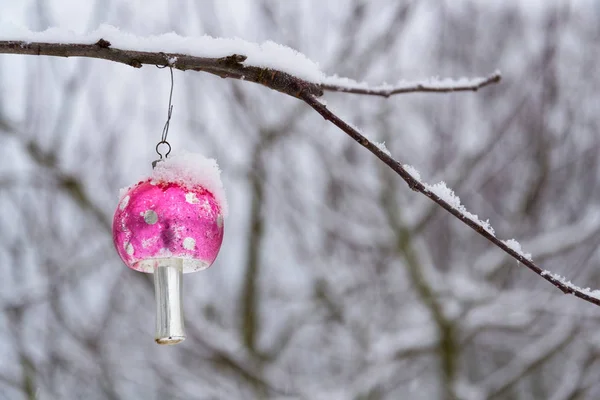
[165, 132]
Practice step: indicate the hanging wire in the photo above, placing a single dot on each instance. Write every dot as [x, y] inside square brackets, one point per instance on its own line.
[165, 132]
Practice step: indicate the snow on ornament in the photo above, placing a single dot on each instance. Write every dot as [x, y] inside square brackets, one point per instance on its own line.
[169, 224]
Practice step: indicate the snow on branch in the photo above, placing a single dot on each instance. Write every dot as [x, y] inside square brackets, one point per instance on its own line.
[270, 64]
[433, 85]
[573, 288]
[445, 197]
[266, 55]
[279, 68]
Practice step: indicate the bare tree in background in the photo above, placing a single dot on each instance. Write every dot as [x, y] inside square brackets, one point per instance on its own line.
[334, 282]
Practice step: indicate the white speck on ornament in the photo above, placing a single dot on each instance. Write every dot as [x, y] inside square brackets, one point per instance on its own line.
[129, 249]
[189, 243]
[220, 221]
[150, 217]
[124, 203]
[191, 198]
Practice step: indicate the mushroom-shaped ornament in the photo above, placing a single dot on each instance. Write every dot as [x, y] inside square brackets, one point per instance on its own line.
[170, 224]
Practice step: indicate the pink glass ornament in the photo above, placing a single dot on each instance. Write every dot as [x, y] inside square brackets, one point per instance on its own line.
[168, 228]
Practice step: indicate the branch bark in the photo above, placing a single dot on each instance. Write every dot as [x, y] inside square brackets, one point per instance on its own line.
[233, 67]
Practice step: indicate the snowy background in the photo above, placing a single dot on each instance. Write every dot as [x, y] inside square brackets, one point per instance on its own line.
[335, 280]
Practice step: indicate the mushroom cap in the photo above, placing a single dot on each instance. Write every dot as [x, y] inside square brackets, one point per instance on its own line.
[157, 219]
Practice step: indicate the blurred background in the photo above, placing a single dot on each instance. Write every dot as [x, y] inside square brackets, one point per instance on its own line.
[335, 280]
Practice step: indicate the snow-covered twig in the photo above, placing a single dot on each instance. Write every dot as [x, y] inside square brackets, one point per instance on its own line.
[231, 66]
[510, 247]
[336, 84]
[267, 64]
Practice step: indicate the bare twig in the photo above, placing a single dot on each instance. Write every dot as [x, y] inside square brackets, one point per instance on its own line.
[432, 86]
[233, 67]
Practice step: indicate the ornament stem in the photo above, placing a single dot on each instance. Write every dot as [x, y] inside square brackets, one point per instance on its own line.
[168, 284]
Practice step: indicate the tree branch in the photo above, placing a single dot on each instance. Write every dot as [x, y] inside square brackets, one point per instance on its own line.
[418, 186]
[432, 86]
[233, 67]
[225, 67]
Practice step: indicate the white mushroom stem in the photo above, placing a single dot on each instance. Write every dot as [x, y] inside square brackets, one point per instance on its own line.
[168, 285]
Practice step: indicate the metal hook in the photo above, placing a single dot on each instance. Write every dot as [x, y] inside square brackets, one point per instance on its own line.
[168, 150]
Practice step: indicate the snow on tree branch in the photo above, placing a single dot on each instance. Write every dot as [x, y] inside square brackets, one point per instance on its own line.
[445, 197]
[270, 64]
[279, 68]
[266, 55]
[231, 66]
[433, 85]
